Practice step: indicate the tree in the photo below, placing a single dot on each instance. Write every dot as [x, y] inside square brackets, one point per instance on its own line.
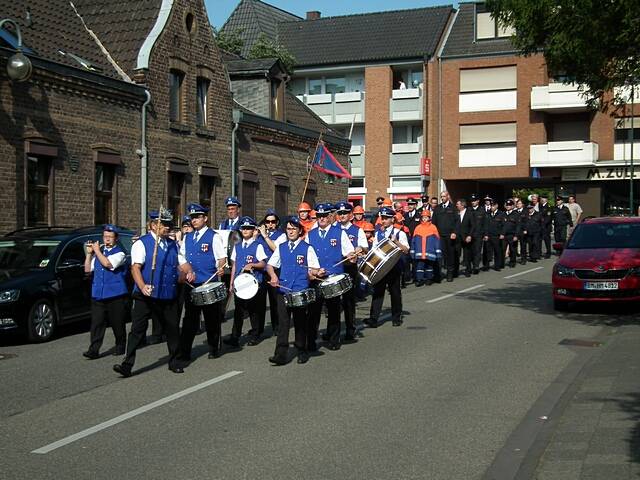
[265, 48]
[595, 43]
[230, 41]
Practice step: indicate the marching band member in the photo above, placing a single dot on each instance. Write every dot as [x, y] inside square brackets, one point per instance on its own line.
[206, 257]
[425, 249]
[155, 292]
[392, 279]
[248, 257]
[233, 214]
[272, 237]
[331, 243]
[359, 241]
[292, 258]
[109, 291]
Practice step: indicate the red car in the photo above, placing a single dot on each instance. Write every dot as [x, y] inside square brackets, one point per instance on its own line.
[599, 263]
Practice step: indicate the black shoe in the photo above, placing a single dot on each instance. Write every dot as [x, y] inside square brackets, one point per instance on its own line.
[123, 370]
[231, 341]
[512, 265]
[253, 341]
[419, 283]
[449, 279]
[213, 355]
[533, 260]
[348, 339]
[119, 350]
[334, 346]
[371, 323]
[523, 262]
[325, 337]
[485, 269]
[467, 274]
[476, 271]
[428, 282]
[303, 357]
[154, 340]
[396, 323]
[176, 369]
[90, 355]
[277, 360]
[548, 255]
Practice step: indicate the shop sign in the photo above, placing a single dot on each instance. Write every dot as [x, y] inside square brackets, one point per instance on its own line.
[599, 173]
[425, 166]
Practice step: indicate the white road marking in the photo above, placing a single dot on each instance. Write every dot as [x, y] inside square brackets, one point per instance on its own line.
[524, 273]
[133, 413]
[444, 297]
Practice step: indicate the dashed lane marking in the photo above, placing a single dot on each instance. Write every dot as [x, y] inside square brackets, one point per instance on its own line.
[444, 297]
[524, 273]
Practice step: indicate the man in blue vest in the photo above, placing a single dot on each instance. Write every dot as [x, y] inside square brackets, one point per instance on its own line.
[205, 255]
[154, 267]
[331, 244]
[233, 214]
[109, 291]
[298, 264]
[358, 239]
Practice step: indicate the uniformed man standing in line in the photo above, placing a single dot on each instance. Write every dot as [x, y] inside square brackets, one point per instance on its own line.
[411, 221]
[523, 241]
[206, 257]
[479, 237]
[155, 292]
[495, 231]
[545, 212]
[109, 291]
[392, 279]
[561, 217]
[233, 214]
[511, 231]
[465, 232]
[444, 218]
[532, 228]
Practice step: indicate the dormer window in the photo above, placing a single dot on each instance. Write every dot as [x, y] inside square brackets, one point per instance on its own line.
[487, 27]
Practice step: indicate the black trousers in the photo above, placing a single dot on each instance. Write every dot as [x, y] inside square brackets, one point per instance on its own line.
[450, 255]
[112, 311]
[272, 293]
[560, 233]
[301, 321]
[496, 251]
[476, 252]
[191, 323]
[333, 323]
[255, 308]
[524, 243]
[535, 245]
[166, 313]
[513, 249]
[487, 254]
[390, 281]
[546, 238]
[467, 254]
[349, 302]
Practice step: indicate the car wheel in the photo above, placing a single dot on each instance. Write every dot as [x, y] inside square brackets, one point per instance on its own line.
[560, 305]
[41, 322]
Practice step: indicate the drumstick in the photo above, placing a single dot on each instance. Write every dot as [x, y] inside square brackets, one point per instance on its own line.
[209, 279]
[285, 288]
[342, 261]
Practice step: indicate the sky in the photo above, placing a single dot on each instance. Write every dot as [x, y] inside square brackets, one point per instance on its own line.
[219, 10]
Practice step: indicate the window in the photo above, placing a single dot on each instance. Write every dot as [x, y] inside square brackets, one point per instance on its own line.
[356, 182]
[176, 81]
[297, 86]
[202, 99]
[335, 85]
[175, 201]
[415, 78]
[487, 135]
[488, 28]
[315, 86]
[74, 252]
[38, 183]
[414, 183]
[623, 139]
[488, 79]
[281, 200]
[406, 133]
[207, 191]
[249, 193]
[104, 181]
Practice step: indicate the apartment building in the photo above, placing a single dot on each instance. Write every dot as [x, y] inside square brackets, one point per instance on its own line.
[509, 123]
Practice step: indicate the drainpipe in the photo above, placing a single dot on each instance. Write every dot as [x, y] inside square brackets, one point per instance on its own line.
[144, 160]
[237, 117]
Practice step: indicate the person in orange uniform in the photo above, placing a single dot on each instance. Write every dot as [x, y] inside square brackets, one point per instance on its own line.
[386, 202]
[425, 249]
[358, 217]
[369, 230]
[304, 211]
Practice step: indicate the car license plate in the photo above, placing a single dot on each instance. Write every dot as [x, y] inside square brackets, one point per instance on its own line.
[601, 285]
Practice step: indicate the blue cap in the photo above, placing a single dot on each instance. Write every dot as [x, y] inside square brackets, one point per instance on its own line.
[332, 207]
[166, 216]
[343, 207]
[196, 209]
[387, 212]
[110, 228]
[247, 222]
[229, 201]
[270, 211]
[295, 220]
[186, 220]
[323, 208]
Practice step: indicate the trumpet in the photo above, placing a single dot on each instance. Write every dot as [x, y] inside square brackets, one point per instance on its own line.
[89, 246]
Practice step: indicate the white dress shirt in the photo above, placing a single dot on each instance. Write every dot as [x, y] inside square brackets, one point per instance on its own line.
[312, 258]
[116, 259]
[393, 233]
[139, 253]
[362, 237]
[217, 247]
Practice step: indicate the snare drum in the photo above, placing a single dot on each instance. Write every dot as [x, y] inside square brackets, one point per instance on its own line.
[301, 298]
[245, 286]
[209, 293]
[335, 285]
[379, 261]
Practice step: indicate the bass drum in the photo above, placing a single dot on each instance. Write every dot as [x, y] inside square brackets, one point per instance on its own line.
[229, 240]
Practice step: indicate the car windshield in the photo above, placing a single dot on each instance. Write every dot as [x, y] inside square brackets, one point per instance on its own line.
[26, 254]
[606, 235]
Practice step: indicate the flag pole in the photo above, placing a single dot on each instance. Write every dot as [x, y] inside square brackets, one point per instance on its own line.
[306, 184]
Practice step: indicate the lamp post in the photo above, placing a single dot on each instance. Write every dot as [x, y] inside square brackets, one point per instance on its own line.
[19, 66]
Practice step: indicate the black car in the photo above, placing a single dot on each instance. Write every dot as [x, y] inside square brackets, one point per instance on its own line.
[42, 279]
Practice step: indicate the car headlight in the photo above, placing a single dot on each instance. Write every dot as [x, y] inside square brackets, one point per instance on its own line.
[635, 272]
[9, 296]
[562, 271]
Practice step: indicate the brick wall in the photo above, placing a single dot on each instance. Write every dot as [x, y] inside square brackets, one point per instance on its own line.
[431, 122]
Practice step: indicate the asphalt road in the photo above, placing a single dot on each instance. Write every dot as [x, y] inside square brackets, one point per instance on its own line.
[436, 398]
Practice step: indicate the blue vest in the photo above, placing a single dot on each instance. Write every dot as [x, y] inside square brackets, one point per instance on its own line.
[165, 278]
[328, 249]
[352, 233]
[201, 256]
[225, 225]
[109, 283]
[273, 236]
[245, 256]
[293, 275]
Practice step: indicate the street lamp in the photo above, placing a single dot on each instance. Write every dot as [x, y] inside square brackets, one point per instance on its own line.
[19, 66]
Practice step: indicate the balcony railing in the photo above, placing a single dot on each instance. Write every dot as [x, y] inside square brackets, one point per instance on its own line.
[564, 154]
[337, 108]
[558, 98]
[406, 104]
[404, 159]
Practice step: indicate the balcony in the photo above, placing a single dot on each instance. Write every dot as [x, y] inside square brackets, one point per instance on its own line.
[356, 157]
[404, 159]
[488, 156]
[564, 154]
[558, 98]
[406, 105]
[337, 108]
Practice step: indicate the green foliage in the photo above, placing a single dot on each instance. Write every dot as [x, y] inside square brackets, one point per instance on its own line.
[230, 41]
[595, 43]
[523, 194]
[265, 48]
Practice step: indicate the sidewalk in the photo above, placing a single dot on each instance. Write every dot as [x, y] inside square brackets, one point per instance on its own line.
[598, 434]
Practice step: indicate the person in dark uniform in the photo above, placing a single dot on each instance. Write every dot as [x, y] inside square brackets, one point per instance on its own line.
[411, 221]
[109, 291]
[444, 218]
[523, 241]
[465, 232]
[358, 239]
[545, 211]
[532, 228]
[495, 243]
[486, 249]
[271, 237]
[204, 251]
[155, 293]
[331, 244]
[561, 217]
[391, 280]
[297, 264]
[511, 231]
[248, 257]
[479, 238]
